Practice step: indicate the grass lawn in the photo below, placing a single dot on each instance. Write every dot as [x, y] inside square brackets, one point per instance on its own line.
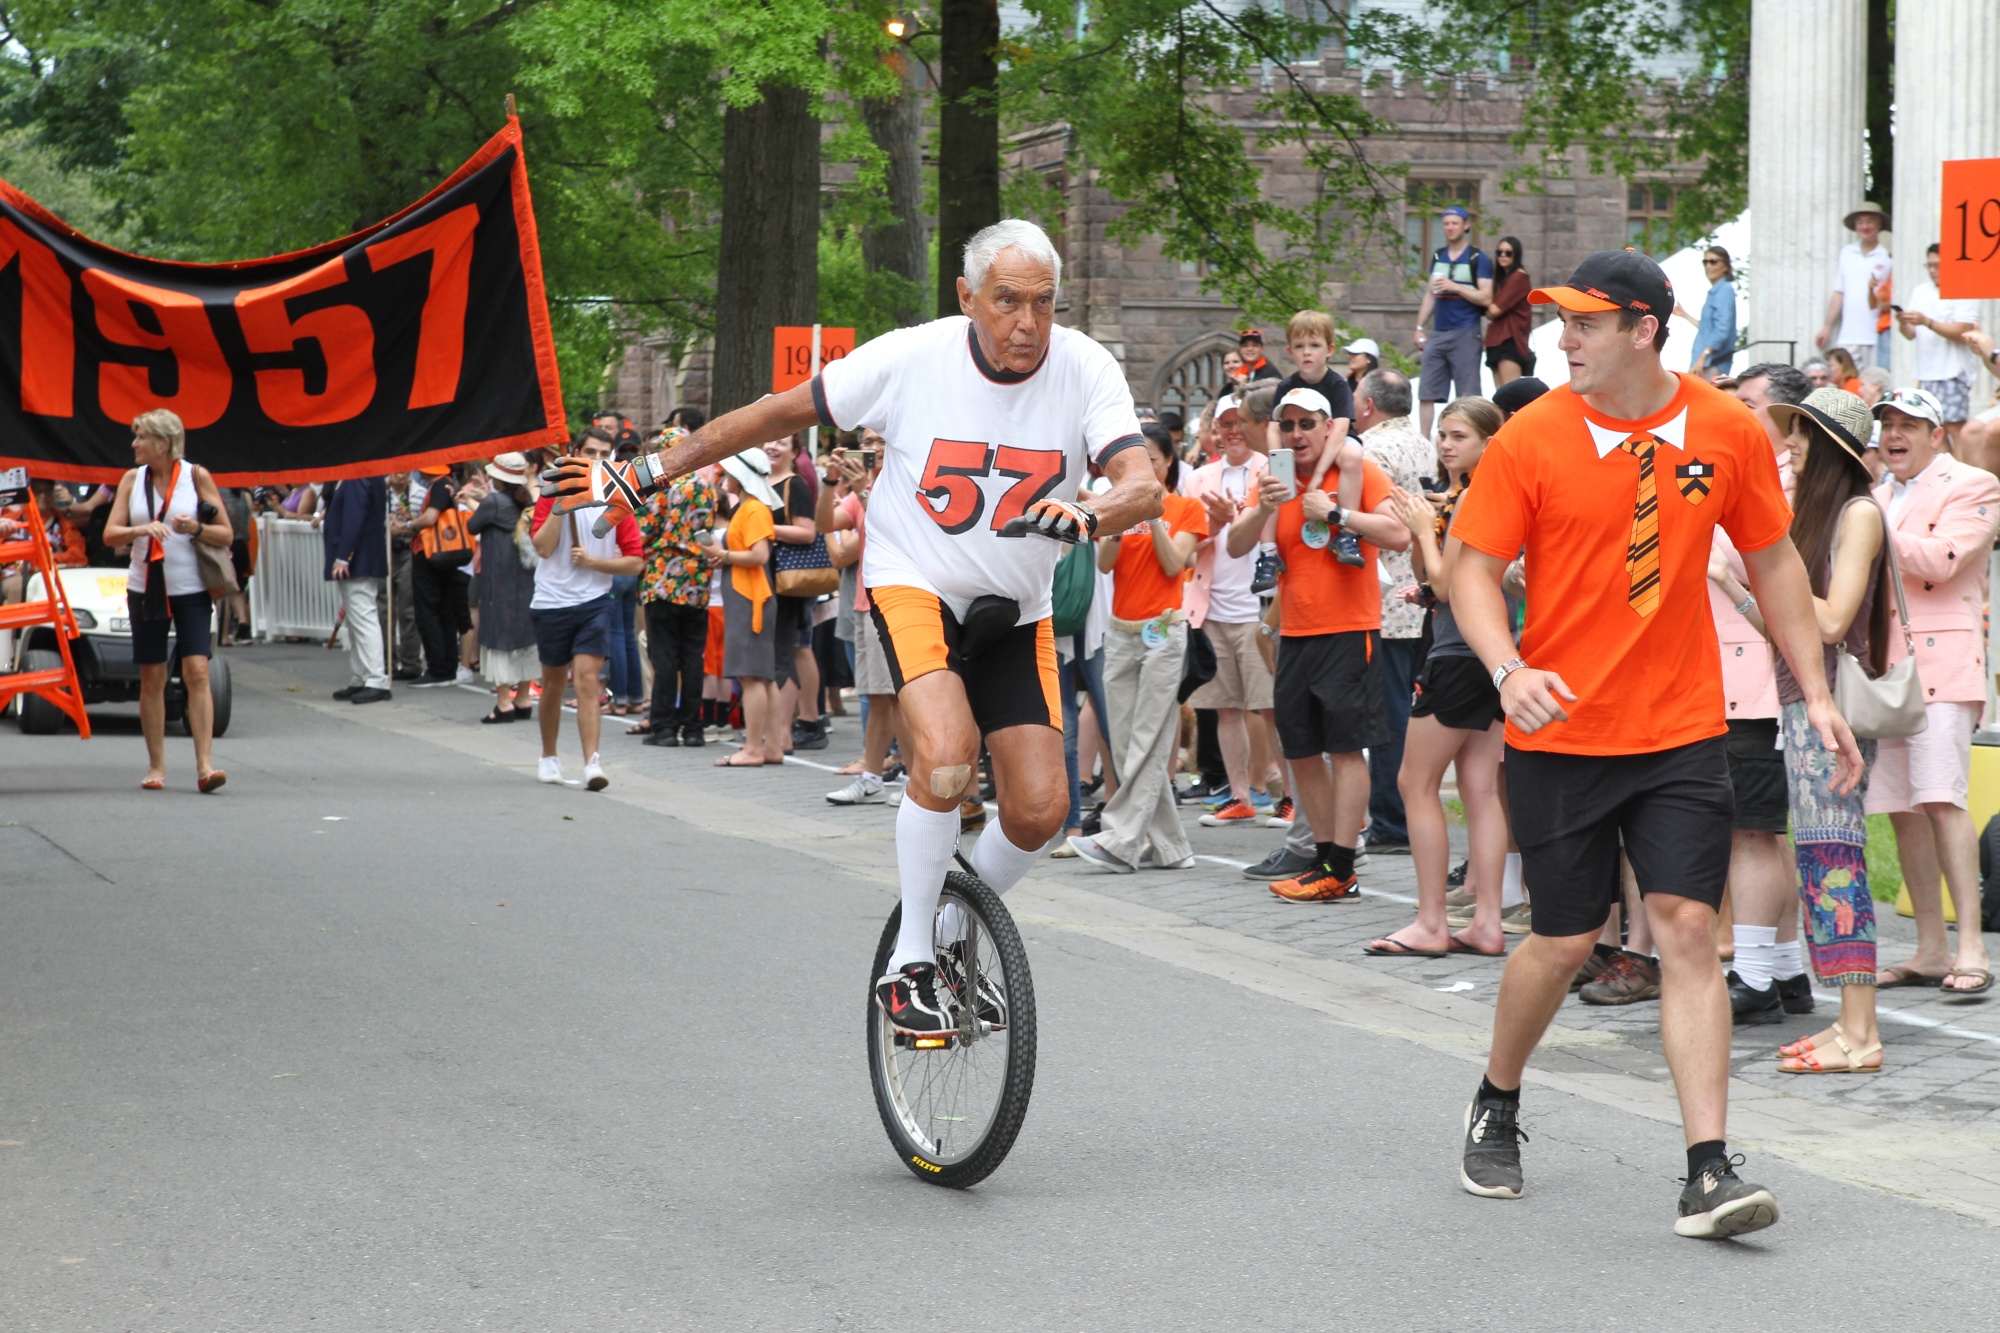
[1885, 874]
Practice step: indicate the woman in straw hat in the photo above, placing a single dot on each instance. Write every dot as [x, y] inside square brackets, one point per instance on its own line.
[506, 577]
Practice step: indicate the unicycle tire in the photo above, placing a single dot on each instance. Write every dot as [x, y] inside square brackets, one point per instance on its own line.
[953, 1114]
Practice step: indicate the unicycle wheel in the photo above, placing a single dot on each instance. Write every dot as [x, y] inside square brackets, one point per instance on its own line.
[952, 1109]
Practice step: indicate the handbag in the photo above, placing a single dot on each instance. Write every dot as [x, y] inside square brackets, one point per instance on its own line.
[1198, 667]
[446, 542]
[218, 571]
[1889, 706]
[804, 570]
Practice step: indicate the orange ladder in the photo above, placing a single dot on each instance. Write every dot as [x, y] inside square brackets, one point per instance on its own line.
[58, 685]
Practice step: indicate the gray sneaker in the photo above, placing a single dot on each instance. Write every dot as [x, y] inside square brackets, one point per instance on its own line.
[1281, 864]
[864, 790]
[1716, 1205]
[1491, 1167]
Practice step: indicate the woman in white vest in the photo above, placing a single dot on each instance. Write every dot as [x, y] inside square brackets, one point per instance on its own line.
[164, 506]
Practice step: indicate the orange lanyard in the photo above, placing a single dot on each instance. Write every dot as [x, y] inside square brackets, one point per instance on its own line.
[159, 551]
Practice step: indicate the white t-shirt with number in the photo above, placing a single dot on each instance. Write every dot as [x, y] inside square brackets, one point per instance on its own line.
[968, 447]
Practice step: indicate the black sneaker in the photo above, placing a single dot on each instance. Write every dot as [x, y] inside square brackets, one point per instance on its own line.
[1456, 879]
[432, 682]
[1795, 993]
[1265, 577]
[1281, 864]
[1491, 1166]
[916, 1003]
[1347, 549]
[347, 693]
[692, 738]
[992, 1007]
[809, 735]
[670, 740]
[1201, 791]
[407, 674]
[369, 697]
[1716, 1205]
[1749, 1007]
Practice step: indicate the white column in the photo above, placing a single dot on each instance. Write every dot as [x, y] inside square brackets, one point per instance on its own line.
[1808, 63]
[1947, 106]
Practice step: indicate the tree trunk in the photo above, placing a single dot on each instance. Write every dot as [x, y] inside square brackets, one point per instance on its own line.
[768, 271]
[897, 246]
[968, 134]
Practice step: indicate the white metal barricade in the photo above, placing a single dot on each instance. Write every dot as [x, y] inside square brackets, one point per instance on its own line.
[290, 597]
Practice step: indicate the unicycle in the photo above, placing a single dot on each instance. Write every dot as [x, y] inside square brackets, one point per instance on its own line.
[953, 1103]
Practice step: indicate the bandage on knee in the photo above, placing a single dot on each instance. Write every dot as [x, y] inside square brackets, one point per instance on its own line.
[949, 781]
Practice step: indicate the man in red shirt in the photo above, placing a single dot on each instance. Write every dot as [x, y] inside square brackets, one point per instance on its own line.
[1615, 484]
[1327, 697]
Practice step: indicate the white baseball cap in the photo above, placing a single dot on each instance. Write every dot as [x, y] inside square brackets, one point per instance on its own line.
[1919, 403]
[1312, 400]
[1226, 403]
[1365, 346]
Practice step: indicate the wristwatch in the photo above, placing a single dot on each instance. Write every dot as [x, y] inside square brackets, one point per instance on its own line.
[1749, 602]
[1506, 669]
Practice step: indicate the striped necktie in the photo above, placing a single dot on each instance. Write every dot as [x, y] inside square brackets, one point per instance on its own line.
[1642, 553]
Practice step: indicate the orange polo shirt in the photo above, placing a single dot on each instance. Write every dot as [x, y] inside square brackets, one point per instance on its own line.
[1140, 589]
[1316, 593]
[1555, 480]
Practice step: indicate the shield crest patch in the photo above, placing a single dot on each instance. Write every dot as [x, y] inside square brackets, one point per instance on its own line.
[1694, 478]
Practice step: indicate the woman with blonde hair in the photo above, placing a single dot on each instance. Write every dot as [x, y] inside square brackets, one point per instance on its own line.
[164, 506]
[1455, 718]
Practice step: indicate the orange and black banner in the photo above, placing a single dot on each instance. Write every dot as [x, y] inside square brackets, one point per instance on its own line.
[423, 339]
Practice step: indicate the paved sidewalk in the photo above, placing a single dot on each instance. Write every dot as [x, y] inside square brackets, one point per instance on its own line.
[1940, 1088]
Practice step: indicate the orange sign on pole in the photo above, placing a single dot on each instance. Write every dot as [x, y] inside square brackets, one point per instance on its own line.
[792, 360]
[1969, 230]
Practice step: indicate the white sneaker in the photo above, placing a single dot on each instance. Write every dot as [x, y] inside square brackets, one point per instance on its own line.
[1086, 847]
[593, 775]
[550, 771]
[866, 789]
[467, 676]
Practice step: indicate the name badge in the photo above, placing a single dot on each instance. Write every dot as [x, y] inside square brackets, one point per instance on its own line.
[1316, 534]
[1152, 634]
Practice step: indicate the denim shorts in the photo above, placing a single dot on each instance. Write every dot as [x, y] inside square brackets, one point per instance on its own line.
[563, 632]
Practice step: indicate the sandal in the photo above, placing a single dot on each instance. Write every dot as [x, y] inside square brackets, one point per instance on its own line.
[730, 762]
[217, 777]
[1902, 974]
[153, 784]
[1391, 947]
[1458, 945]
[1793, 1049]
[1980, 975]
[1809, 1062]
[498, 715]
[643, 729]
[522, 713]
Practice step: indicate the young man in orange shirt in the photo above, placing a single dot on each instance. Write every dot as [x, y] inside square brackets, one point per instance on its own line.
[1615, 720]
[1327, 697]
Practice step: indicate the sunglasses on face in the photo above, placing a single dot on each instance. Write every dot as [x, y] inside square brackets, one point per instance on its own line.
[1505, 254]
[1287, 427]
[1711, 261]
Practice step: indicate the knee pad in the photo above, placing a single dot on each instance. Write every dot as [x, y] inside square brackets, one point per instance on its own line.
[947, 782]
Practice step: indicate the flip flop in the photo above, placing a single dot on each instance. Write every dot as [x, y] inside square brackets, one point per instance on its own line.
[215, 780]
[1395, 948]
[1982, 975]
[1458, 945]
[643, 729]
[153, 784]
[730, 762]
[1902, 974]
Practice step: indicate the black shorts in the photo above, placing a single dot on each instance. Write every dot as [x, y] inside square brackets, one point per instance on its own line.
[1672, 809]
[1328, 694]
[1458, 693]
[1011, 683]
[190, 617]
[1757, 772]
[564, 633]
[1510, 351]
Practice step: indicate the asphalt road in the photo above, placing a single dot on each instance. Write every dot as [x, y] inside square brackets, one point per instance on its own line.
[385, 1036]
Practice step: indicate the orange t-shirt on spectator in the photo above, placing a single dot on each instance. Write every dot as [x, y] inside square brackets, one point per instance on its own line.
[1555, 479]
[1316, 593]
[1140, 589]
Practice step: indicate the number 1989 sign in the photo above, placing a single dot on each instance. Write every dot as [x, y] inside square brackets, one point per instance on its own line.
[1969, 230]
[425, 338]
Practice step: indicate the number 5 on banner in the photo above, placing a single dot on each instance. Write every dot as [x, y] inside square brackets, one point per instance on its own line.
[441, 335]
[346, 343]
[1969, 240]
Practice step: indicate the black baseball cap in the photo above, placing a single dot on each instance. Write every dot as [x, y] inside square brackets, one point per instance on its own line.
[1613, 280]
[1250, 335]
[1517, 393]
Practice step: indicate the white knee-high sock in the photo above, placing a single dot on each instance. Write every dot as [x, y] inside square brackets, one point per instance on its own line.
[1755, 947]
[998, 860]
[1510, 882]
[1786, 960]
[925, 840]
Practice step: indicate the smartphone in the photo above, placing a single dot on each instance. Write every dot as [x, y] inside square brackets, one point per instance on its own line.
[1435, 485]
[1285, 469]
[1897, 309]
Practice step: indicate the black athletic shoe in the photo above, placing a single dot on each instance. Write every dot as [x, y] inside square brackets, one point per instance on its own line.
[692, 739]
[992, 1006]
[1749, 1007]
[1347, 549]
[670, 740]
[1265, 577]
[1491, 1166]
[1716, 1205]
[1281, 864]
[916, 1002]
[1201, 791]
[347, 693]
[370, 697]
[1456, 879]
[1795, 993]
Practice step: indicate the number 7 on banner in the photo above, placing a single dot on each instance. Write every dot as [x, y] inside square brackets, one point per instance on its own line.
[441, 333]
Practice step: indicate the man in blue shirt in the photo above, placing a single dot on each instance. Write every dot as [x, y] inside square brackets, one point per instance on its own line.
[1460, 287]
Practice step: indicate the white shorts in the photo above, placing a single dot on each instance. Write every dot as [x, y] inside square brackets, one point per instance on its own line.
[1932, 767]
[871, 662]
[1241, 678]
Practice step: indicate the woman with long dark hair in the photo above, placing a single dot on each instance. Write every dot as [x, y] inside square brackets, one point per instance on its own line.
[1714, 348]
[1838, 529]
[1507, 354]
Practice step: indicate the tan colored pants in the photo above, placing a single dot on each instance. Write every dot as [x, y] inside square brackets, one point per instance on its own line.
[1141, 688]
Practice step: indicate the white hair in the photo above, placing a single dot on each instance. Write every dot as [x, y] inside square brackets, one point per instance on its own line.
[1008, 234]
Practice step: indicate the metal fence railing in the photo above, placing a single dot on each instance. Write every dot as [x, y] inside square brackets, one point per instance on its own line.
[290, 597]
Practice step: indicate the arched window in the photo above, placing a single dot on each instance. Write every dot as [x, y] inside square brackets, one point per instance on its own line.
[1191, 378]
